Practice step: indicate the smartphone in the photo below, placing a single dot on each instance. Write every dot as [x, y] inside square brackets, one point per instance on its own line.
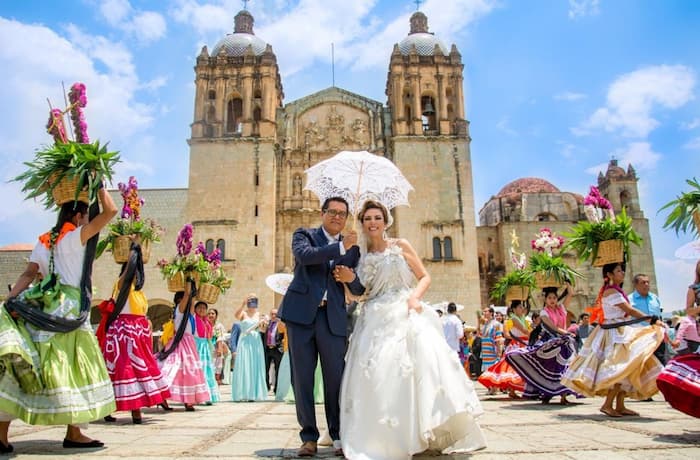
[253, 303]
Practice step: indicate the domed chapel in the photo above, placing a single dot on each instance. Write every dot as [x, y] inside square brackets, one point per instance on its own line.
[249, 150]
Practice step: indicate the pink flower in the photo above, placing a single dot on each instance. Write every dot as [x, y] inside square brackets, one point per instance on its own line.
[78, 100]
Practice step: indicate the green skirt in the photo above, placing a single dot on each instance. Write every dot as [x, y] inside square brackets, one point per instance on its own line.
[53, 378]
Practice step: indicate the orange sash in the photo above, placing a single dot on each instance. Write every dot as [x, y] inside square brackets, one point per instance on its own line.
[45, 239]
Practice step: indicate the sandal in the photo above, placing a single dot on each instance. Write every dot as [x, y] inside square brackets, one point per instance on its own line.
[610, 412]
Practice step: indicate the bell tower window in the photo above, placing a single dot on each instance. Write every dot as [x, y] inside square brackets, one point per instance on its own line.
[234, 115]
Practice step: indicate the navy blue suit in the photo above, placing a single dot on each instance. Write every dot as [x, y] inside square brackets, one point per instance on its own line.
[315, 331]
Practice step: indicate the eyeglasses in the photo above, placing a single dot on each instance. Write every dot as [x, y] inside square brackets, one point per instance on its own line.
[336, 213]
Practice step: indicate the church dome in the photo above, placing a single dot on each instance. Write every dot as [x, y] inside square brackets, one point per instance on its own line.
[419, 37]
[527, 185]
[237, 43]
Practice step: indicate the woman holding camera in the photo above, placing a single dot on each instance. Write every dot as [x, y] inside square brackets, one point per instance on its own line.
[248, 382]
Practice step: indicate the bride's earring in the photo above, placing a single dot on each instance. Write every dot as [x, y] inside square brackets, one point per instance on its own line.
[385, 236]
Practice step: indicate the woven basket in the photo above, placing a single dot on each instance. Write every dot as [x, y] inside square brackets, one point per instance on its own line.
[609, 251]
[122, 246]
[517, 293]
[543, 281]
[120, 249]
[696, 219]
[64, 192]
[176, 283]
[208, 293]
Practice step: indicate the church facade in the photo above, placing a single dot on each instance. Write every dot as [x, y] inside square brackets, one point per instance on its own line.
[249, 150]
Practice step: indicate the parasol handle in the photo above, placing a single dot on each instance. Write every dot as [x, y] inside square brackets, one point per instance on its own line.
[357, 197]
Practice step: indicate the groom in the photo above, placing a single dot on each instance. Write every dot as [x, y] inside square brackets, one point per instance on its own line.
[313, 309]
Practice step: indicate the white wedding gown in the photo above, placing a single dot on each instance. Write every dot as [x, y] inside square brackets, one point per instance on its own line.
[404, 390]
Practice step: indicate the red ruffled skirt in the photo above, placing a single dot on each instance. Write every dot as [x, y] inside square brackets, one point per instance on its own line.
[502, 375]
[128, 352]
[680, 384]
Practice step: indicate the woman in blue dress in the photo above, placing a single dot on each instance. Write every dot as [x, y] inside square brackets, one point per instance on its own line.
[248, 383]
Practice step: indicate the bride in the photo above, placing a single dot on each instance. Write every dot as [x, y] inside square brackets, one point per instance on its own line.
[404, 390]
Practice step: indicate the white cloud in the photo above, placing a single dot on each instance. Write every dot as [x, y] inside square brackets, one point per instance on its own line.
[145, 26]
[504, 126]
[633, 97]
[692, 124]
[115, 11]
[693, 144]
[638, 154]
[580, 8]
[361, 39]
[569, 96]
[674, 275]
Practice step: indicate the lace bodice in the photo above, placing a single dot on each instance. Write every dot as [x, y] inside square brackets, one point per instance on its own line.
[384, 272]
[613, 313]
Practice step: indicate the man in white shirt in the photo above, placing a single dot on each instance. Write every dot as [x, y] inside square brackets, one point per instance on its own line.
[452, 326]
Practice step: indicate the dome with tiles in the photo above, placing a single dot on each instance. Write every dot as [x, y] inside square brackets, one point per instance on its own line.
[237, 43]
[527, 185]
[419, 37]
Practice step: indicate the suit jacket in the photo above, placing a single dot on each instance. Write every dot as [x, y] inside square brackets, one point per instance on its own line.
[313, 275]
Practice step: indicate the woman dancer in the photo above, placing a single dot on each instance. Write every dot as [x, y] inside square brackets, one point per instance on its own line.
[680, 380]
[617, 360]
[179, 360]
[248, 382]
[128, 345]
[502, 375]
[404, 390]
[202, 339]
[542, 365]
[63, 371]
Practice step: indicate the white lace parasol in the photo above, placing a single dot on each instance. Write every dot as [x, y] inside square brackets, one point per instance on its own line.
[689, 251]
[279, 282]
[357, 177]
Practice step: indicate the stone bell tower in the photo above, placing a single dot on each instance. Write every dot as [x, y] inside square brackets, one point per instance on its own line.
[232, 183]
[430, 138]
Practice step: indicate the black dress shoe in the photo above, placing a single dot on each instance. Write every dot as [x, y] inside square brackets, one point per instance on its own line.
[109, 418]
[68, 444]
[6, 449]
[165, 406]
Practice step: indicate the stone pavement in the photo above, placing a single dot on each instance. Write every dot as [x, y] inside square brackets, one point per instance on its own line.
[519, 430]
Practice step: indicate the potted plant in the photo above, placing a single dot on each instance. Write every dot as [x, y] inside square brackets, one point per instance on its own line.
[68, 170]
[185, 264]
[130, 223]
[685, 210]
[549, 269]
[604, 238]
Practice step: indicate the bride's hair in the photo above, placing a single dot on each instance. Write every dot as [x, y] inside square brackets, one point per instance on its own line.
[371, 204]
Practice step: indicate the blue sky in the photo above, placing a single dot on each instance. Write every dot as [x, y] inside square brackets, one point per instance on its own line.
[554, 88]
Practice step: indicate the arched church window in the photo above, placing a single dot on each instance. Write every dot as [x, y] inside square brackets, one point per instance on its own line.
[625, 199]
[437, 249]
[234, 115]
[448, 248]
[221, 246]
[407, 112]
[212, 95]
[210, 246]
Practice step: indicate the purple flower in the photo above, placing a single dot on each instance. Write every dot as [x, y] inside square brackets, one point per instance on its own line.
[78, 100]
[184, 240]
[201, 249]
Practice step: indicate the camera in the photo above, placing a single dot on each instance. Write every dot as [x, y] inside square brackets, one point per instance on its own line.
[252, 302]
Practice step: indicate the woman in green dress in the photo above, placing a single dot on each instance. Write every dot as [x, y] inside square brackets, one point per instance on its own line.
[56, 378]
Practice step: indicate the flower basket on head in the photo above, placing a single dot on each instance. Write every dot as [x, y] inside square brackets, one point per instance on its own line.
[67, 189]
[685, 210]
[176, 282]
[129, 224]
[514, 285]
[550, 270]
[517, 293]
[609, 251]
[586, 237]
[208, 293]
[68, 170]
